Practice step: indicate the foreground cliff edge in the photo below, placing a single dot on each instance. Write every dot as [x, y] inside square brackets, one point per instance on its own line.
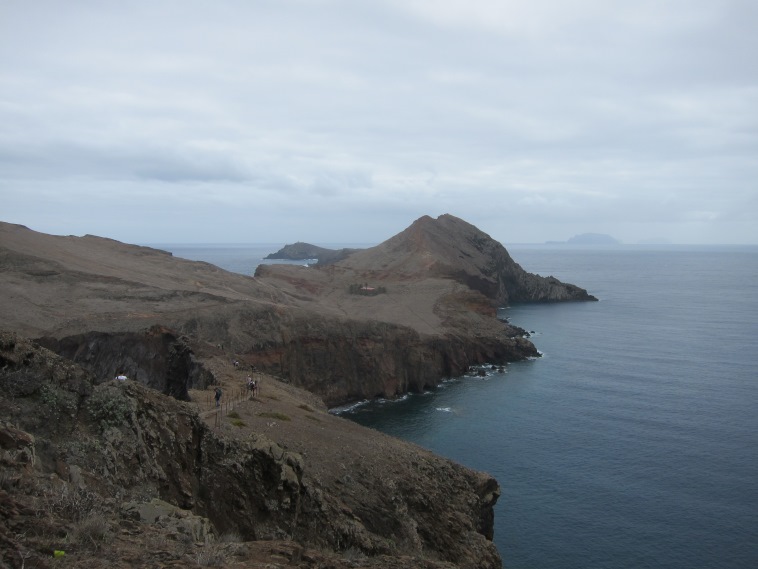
[280, 476]
[116, 474]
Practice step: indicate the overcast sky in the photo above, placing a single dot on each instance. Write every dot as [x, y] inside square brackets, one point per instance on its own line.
[343, 121]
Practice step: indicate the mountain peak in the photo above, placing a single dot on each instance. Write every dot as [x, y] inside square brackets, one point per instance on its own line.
[449, 247]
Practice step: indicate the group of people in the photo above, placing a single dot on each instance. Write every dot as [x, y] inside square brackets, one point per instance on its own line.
[253, 385]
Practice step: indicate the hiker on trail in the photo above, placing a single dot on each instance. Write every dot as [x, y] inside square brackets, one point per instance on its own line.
[251, 387]
[218, 396]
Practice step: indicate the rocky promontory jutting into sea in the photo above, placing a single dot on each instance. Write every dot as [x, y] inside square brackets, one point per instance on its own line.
[149, 472]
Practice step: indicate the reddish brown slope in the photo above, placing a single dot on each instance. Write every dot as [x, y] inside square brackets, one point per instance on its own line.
[448, 247]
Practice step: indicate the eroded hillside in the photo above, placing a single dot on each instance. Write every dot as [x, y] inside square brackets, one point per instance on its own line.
[116, 474]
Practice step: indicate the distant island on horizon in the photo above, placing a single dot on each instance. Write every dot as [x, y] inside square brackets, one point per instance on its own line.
[588, 239]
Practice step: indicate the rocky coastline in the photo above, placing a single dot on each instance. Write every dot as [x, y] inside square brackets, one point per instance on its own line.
[276, 479]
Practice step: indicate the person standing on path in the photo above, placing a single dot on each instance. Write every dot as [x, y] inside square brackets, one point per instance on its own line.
[218, 396]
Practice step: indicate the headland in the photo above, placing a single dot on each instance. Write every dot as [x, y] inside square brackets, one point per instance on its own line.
[280, 477]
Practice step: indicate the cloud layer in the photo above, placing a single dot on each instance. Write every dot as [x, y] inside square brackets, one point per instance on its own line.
[336, 121]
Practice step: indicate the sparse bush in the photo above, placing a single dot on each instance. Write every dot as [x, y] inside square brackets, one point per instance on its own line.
[234, 415]
[230, 537]
[306, 407]
[274, 415]
[71, 503]
[90, 532]
[354, 554]
[109, 408]
[211, 556]
[238, 423]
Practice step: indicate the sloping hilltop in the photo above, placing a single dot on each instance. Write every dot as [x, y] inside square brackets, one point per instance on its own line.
[147, 471]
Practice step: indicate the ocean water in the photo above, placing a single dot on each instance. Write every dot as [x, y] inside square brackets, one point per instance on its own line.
[241, 258]
[633, 441]
[238, 258]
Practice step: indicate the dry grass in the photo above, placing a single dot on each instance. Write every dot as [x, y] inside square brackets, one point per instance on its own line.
[90, 532]
[211, 556]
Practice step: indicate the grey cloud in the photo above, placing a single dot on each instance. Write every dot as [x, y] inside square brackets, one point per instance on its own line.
[557, 114]
[54, 161]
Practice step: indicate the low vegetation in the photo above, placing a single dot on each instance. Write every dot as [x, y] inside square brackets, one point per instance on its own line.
[274, 415]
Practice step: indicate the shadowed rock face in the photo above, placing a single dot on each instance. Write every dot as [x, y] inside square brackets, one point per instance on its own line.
[354, 360]
[156, 358]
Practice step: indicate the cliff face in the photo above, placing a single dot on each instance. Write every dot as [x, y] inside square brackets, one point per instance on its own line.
[116, 472]
[348, 361]
[155, 357]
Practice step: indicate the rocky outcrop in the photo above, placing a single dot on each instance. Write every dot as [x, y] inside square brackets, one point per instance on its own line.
[155, 357]
[126, 472]
[304, 251]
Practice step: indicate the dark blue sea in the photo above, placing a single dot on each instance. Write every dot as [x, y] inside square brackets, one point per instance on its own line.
[236, 257]
[633, 441]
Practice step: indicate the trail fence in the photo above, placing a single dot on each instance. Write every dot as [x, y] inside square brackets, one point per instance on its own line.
[230, 399]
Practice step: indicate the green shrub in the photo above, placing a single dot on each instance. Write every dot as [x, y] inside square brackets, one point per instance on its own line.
[58, 402]
[109, 408]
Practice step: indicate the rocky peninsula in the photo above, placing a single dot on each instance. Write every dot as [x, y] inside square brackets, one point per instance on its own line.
[148, 472]
[305, 251]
